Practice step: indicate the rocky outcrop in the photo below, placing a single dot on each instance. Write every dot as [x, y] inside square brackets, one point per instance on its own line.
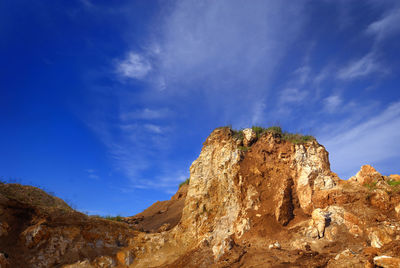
[254, 200]
[366, 175]
[235, 195]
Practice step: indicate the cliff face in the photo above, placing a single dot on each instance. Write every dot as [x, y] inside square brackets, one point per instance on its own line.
[251, 202]
[272, 203]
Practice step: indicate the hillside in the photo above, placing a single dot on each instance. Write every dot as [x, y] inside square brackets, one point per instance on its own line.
[256, 198]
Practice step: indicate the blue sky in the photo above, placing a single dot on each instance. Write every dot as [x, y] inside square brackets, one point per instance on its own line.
[107, 103]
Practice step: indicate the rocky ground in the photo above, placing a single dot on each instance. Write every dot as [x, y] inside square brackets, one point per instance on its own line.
[255, 199]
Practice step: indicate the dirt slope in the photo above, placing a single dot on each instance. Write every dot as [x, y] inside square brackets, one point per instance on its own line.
[162, 215]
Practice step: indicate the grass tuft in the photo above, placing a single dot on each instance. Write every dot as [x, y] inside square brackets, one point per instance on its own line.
[393, 183]
[238, 134]
[258, 130]
[184, 182]
[112, 218]
[275, 130]
[371, 186]
[297, 138]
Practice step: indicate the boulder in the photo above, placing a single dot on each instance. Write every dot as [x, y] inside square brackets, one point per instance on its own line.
[319, 220]
[249, 136]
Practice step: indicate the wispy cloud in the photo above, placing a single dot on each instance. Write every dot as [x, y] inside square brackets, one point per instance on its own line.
[208, 63]
[387, 26]
[153, 128]
[292, 96]
[370, 63]
[370, 141]
[167, 181]
[362, 67]
[221, 49]
[199, 58]
[134, 66]
[332, 103]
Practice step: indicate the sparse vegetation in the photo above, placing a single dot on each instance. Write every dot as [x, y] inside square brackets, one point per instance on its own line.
[371, 186]
[295, 138]
[258, 130]
[274, 130]
[238, 134]
[393, 183]
[184, 182]
[243, 148]
[395, 186]
[113, 218]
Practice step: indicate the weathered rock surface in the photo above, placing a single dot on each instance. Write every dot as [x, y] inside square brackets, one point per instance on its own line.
[367, 174]
[387, 262]
[275, 204]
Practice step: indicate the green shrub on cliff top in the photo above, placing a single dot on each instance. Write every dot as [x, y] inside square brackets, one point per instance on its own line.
[258, 130]
[275, 130]
[297, 138]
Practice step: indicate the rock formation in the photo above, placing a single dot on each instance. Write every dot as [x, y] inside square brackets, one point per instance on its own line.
[254, 200]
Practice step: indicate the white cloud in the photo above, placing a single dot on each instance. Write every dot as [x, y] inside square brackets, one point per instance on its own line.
[153, 128]
[369, 64]
[218, 59]
[332, 103]
[168, 183]
[221, 49]
[386, 26]
[292, 96]
[134, 66]
[365, 66]
[370, 142]
[200, 55]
